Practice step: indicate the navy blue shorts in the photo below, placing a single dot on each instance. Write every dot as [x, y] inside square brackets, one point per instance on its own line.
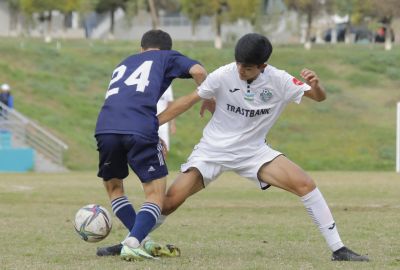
[143, 155]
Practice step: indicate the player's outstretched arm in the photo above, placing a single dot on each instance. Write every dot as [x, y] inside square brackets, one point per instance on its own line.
[198, 73]
[317, 92]
[177, 107]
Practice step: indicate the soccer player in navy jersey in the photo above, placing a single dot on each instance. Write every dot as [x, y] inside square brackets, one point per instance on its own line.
[127, 134]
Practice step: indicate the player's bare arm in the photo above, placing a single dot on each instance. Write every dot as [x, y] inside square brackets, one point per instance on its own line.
[198, 73]
[184, 103]
[179, 106]
[317, 92]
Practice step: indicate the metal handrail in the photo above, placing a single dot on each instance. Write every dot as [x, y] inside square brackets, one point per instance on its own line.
[26, 132]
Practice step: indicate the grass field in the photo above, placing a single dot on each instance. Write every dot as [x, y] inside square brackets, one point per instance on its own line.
[231, 225]
[354, 129]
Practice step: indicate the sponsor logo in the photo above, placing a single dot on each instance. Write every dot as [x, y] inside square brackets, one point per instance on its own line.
[234, 90]
[332, 227]
[246, 112]
[151, 169]
[297, 82]
[107, 163]
[265, 95]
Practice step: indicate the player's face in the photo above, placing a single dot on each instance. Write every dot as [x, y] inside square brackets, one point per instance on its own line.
[249, 72]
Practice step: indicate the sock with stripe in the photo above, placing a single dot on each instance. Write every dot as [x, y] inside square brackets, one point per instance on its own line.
[321, 214]
[145, 220]
[123, 209]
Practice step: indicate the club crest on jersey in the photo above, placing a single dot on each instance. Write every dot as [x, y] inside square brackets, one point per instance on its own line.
[297, 81]
[249, 96]
[265, 95]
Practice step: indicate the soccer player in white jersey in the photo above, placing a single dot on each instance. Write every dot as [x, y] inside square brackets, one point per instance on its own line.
[249, 97]
[170, 127]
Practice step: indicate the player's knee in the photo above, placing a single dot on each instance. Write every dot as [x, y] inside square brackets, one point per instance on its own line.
[171, 203]
[304, 186]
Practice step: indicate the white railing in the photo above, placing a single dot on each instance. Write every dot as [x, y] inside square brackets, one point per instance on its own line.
[27, 133]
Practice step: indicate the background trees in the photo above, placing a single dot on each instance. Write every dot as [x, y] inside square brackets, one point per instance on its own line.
[370, 13]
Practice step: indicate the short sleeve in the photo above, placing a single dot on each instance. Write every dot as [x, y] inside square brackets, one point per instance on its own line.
[293, 88]
[207, 89]
[179, 65]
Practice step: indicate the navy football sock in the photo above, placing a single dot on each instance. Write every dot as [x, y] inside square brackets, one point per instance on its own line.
[123, 209]
[145, 220]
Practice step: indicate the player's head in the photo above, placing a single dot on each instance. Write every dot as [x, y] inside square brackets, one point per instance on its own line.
[252, 51]
[5, 87]
[156, 39]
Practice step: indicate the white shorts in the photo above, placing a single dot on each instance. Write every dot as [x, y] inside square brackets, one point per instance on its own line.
[211, 164]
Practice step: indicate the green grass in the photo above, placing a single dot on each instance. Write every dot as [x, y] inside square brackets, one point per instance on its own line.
[354, 129]
[231, 225]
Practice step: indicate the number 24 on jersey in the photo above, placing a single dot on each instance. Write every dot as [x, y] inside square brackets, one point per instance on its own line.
[139, 77]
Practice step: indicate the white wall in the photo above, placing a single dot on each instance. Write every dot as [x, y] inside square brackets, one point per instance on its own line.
[4, 18]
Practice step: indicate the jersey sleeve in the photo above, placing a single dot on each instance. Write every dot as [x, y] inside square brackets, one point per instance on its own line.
[293, 88]
[207, 89]
[179, 65]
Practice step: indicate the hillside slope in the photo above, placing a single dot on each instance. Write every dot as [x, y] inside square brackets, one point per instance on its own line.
[62, 88]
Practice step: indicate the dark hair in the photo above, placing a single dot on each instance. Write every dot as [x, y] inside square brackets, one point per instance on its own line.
[253, 49]
[156, 39]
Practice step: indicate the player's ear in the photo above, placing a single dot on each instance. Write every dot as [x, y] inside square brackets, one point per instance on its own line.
[262, 66]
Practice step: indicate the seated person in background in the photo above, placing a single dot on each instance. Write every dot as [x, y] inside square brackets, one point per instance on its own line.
[5, 95]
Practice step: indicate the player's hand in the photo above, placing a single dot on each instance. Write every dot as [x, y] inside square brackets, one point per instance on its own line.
[164, 148]
[209, 105]
[310, 77]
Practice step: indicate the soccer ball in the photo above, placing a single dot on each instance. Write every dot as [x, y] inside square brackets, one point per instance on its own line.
[92, 223]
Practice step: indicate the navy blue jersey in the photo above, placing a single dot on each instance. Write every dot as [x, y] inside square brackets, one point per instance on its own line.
[136, 85]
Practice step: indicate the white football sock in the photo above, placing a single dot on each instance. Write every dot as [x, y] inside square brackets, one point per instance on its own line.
[159, 222]
[321, 214]
[131, 242]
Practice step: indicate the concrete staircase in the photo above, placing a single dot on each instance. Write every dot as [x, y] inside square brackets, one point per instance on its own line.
[24, 134]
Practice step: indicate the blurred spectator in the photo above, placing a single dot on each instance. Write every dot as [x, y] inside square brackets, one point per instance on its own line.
[5, 95]
[170, 127]
[360, 33]
[380, 35]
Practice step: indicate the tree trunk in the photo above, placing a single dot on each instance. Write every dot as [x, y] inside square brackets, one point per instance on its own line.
[112, 18]
[193, 26]
[347, 34]
[388, 37]
[112, 23]
[155, 21]
[48, 34]
[218, 36]
[307, 44]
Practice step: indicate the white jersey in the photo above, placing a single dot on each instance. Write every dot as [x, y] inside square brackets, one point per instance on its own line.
[167, 97]
[162, 104]
[245, 112]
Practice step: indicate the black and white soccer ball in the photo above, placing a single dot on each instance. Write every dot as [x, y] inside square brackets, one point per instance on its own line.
[92, 223]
